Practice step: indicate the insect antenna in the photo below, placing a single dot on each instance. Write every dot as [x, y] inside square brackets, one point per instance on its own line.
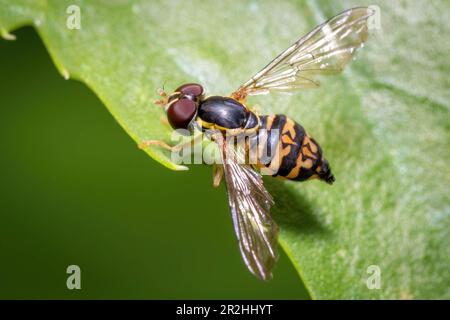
[164, 97]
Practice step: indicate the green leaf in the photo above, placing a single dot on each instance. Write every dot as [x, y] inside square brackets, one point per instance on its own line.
[384, 124]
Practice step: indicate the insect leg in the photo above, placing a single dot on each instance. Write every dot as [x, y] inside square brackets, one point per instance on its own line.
[217, 174]
[194, 139]
[147, 143]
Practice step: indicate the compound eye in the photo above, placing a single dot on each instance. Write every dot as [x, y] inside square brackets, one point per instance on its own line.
[191, 89]
[181, 113]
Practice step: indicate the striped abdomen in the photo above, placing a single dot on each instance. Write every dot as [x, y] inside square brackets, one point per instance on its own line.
[286, 150]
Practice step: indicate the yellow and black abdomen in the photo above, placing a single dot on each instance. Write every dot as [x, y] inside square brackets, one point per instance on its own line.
[286, 150]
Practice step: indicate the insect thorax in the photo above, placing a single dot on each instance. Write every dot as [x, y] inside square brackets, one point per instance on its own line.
[225, 114]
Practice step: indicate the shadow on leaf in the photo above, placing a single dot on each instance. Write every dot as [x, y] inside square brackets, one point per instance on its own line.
[292, 211]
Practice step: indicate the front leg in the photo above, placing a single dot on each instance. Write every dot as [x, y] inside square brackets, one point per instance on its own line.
[159, 143]
[193, 139]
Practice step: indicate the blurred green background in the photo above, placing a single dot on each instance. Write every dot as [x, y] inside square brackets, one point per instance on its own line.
[75, 189]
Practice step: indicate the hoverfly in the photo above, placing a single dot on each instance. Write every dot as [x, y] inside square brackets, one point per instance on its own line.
[325, 50]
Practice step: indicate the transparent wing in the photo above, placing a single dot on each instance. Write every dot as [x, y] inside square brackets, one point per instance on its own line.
[250, 204]
[325, 50]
